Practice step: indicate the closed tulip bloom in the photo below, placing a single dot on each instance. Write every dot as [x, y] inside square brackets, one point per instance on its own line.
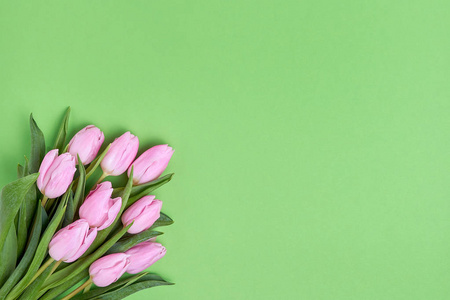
[120, 155]
[144, 213]
[99, 210]
[108, 269]
[56, 173]
[70, 242]
[86, 143]
[151, 164]
[143, 255]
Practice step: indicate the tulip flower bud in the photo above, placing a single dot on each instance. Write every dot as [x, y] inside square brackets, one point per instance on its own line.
[144, 213]
[86, 144]
[120, 155]
[70, 242]
[99, 210]
[55, 173]
[143, 255]
[151, 164]
[108, 269]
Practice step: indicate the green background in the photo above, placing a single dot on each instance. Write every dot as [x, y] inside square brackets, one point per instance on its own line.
[312, 137]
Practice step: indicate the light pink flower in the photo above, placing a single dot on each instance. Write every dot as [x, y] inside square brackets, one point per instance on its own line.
[70, 242]
[120, 155]
[55, 173]
[98, 208]
[151, 164]
[86, 143]
[143, 212]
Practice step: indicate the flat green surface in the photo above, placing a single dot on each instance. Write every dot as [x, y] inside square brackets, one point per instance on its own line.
[312, 137]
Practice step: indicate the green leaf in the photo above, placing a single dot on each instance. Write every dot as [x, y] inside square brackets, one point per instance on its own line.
[70, 210]
[61, 137]
[163, 220]
[32, 291]
[42, 248]
[139, 191]
[26, 212]
[143, 283]
[45, 218]
[11, 198]
[73, 269]
[93, 166]
[9, 252]
[31, 200]
[55, 292]
[37, 146]
[22, 233]
[81, 185]
[27, 257]
[126, 243]
[20, 174]
[103, 234]
[19, 171]
[114, 286]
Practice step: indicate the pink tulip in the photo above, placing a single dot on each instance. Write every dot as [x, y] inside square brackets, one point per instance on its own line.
[151, 164]
[144, 213]
[143, 255]
[120, 155]
[56, 173]
[70, 242]
[98, 208]
[86, 144]
[108, 269]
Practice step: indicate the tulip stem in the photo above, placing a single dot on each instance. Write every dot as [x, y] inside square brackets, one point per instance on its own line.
[104, 175]
[41, 269]
[49, 205]
[44, 200]
[86, 289]
[81, 287]
[54, 267]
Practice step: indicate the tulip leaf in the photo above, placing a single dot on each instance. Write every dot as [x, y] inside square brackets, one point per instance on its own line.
[44, 218]
[127, 242]
[61, 137]
[78, 198]
[55, 292]
[26, 212]
[93, 166]
[140, 191]
[21, 230]
[31, 200]
[42, 248]
[163, 220]
[83, 263]
[114, 286]
[27, 257]
[11, 198]
[143, 283]
[19, 171]
[70, 210]
[37, 146]
[9, 251]
[32, 291]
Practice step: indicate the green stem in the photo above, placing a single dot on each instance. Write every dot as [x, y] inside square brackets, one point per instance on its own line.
[104, 175]
[41, 269]
[44, 200]
[87, 288]
[49, 204]
[79, 289]
[54, 267]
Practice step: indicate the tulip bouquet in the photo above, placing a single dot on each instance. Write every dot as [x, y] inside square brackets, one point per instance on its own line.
[63, 237]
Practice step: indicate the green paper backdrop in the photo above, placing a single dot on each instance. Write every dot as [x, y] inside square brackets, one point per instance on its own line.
[312, 137]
